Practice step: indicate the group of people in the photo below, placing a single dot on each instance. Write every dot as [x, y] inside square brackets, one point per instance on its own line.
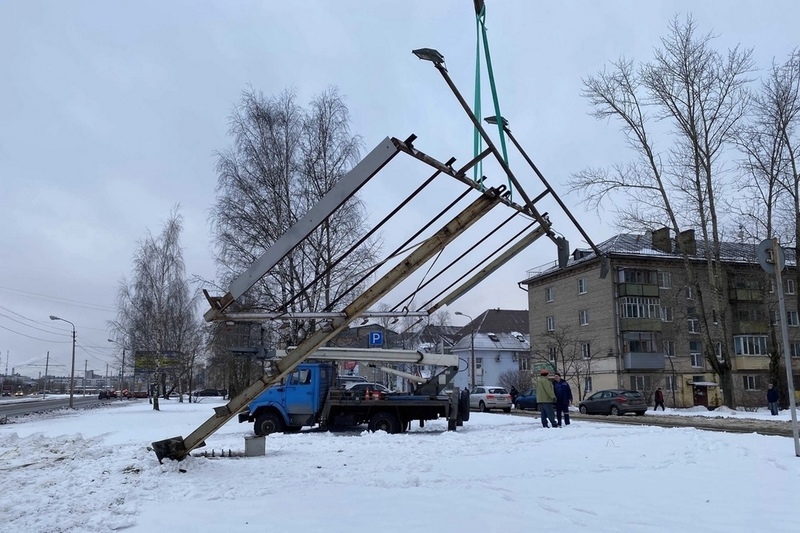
[554, 398]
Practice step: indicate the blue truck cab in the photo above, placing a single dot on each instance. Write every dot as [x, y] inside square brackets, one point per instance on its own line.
[296, 401]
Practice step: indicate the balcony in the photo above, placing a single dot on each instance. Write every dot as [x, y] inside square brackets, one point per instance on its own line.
[746, 295]
[638, 289]
[750, 327]
[640, 324]
[643, 361]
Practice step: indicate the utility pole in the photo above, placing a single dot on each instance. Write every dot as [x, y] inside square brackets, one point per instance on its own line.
[85, 371]
[122, 372]
[46, 365]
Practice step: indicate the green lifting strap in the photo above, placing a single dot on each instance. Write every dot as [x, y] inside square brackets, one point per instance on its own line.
[478, 141]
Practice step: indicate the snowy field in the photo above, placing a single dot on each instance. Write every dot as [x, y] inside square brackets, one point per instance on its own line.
[90, 471]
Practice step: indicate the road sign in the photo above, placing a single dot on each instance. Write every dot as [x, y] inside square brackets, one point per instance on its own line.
[769, 254]
[376, 338]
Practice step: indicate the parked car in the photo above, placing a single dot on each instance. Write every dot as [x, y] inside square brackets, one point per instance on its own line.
[361, 388]
[492, 397]
[19, 393]
[107, 394]
[209, 392]
[527, 400]
[342, 381]
[614, 402]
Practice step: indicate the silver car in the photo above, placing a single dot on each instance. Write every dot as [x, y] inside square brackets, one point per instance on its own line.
[484, 398]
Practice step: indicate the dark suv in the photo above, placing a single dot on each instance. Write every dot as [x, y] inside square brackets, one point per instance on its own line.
[614, 402]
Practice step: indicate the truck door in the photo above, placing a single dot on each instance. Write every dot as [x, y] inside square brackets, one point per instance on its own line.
[300, 387]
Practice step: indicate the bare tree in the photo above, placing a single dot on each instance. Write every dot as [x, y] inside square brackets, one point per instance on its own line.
[700, 96]
[568, 354]
[771, 145]
[283, 159]
[156, 311]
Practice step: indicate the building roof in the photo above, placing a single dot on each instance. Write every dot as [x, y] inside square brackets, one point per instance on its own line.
[496, 329]
[641, 245]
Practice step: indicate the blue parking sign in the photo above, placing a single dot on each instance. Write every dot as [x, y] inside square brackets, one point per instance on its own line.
[376, 338]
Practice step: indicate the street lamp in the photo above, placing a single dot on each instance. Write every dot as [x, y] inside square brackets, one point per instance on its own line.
[72, 372]
[122, 369]
[471, 349]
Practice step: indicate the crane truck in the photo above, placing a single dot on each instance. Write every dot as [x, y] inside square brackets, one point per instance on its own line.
[309, 396]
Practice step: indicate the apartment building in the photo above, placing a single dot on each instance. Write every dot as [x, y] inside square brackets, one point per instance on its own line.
[640, 327]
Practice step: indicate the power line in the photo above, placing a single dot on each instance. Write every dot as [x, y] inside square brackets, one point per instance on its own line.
[32, 337]
[76, 303]
[28, 325]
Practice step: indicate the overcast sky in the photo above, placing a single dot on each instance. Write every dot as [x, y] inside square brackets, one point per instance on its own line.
[111, 113]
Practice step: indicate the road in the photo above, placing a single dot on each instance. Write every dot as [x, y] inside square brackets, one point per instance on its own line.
[731, 425]
[25, 406]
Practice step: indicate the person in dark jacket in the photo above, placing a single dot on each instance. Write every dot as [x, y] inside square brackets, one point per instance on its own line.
[772, 400]
[563, 399]
[514, 393]
[659, 399]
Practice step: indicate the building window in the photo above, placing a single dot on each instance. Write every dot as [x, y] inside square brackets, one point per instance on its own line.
[552, 353]
[694, 325]
[641, 342]
[524, 363]
[750, 344]
[718, 352]
[629, 275]
[669, 348]
[689, 293]
[791, 318]
[636, 307]
[587, 384]
[789, 286]
[664, 280]
[670, 383]
[478, 363]
[586, 350]
[583, 317]
[794, 349]
[697, 359]
[698, 379]
[640, 383]
[666, 314]
[750, 382]
[551, 323]
[582, 286]
[548, 294]
[771, 285]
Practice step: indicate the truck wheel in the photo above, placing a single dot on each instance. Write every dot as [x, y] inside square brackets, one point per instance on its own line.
[384, 421]
[267, 423]
[463, 405]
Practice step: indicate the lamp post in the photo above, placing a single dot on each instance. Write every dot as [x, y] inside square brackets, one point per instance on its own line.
[471, 350]
[122, 369]
[72, 372]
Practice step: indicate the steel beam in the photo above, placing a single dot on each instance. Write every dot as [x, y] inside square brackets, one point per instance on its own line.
[178, 448]
[343, 190]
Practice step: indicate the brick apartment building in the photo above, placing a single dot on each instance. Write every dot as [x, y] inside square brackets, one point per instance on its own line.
[639, 327]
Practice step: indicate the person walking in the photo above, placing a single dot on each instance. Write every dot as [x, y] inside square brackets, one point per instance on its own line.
[546, 398]
[772, 400]
[659, 399]
[563, 398]
[514, 393]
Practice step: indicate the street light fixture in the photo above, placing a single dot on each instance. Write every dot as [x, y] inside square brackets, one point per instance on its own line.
[72, 372]
[471, 349]
[429, 54]
[122, 369]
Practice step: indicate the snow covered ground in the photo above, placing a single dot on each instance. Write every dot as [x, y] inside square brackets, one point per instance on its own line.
[90, 471]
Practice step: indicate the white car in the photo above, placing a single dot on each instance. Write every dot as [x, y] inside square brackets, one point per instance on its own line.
[484, 398]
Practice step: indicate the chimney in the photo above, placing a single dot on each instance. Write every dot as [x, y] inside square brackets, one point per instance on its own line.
[661, 240]
[687, 243]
